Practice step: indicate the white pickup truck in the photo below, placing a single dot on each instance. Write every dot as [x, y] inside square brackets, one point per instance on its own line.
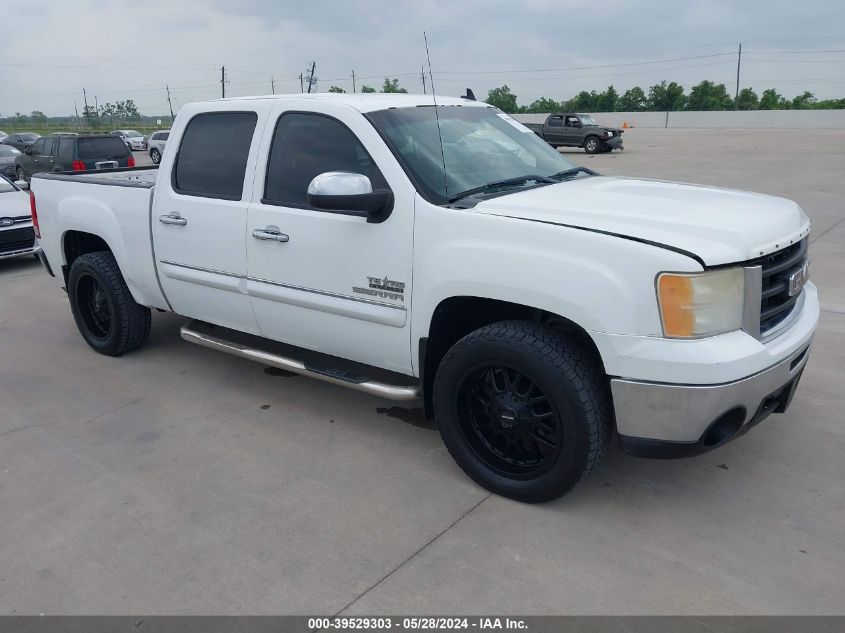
[447, 253]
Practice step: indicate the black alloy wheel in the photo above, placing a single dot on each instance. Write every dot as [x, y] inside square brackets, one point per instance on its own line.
[508, 420]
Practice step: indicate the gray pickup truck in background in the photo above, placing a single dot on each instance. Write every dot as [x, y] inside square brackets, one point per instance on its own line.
[570, 129]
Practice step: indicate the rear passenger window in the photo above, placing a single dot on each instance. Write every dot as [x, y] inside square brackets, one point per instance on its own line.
[65, 149]
[212, 156]
[556, 121]
[307, 145]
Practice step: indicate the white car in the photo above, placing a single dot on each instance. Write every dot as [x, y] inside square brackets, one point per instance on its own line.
[450, 255]
[156, 143]
[17, 236]
[3, 135]
[134, 140]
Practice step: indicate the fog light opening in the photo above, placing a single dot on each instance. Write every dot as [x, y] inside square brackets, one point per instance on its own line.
[724, 427]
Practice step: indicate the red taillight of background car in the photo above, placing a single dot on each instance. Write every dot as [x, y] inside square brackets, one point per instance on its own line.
[78, 165]
[34, 215]
[130, 162]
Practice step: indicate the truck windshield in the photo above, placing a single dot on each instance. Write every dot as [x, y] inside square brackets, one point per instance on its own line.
[480, 146]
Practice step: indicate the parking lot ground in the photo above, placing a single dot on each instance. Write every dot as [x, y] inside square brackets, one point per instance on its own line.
[179, 480]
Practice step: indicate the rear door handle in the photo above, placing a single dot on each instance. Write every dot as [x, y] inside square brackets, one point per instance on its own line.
[270, 233]
[173, 218]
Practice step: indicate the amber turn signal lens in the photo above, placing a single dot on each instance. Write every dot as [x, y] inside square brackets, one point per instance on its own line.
[676, 303]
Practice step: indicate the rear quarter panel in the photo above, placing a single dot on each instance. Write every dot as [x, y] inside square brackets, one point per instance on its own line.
[117, 213]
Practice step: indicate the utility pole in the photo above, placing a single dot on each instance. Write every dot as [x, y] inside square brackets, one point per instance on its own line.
[272, 85]
[96, 105]
[301, 85]
[76, 112]
[168, 101]
[85, 98]
[353, 80]
[738, 62]
[422, 76]
[311, 78]
[223, 81]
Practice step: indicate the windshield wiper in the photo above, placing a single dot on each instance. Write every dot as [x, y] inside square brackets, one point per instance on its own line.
[571, 172]
[518, 180]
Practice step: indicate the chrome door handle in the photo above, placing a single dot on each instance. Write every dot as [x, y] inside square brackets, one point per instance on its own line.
[173, 218]
[270, 233]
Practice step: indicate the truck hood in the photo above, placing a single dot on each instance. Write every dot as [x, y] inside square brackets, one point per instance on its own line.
[718, 226]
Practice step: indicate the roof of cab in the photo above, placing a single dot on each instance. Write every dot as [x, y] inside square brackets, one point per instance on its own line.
[369, 102]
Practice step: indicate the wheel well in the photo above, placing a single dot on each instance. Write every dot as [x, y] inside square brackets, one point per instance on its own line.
[76, 243]
[456, 317]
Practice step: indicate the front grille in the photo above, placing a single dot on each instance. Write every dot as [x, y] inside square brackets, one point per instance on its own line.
[17, 239]
[776, 304]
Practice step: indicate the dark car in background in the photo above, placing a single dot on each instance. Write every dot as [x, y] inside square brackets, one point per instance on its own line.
[73, 152]
[21, 140]
[8, 154]
[571, 129]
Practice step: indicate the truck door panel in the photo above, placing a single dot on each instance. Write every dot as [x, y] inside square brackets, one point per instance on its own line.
[337, 284]
[199, 219]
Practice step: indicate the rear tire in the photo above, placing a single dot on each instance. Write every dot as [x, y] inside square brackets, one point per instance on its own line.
[155, 156]
[106, 315]
[524, 412]
[592, 144]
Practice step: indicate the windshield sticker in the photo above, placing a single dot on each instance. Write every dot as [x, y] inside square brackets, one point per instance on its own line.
[519, 126]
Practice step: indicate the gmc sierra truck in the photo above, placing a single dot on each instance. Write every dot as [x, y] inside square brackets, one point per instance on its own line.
[578, 130]
[446, 253]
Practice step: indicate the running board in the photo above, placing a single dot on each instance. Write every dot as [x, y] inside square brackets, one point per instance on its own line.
[192, 331]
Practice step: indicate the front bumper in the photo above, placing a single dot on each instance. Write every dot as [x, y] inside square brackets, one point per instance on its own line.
[614, 142]
[682, 397]
[699, 418]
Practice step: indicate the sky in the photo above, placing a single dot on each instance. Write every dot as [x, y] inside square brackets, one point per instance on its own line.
[122, 49]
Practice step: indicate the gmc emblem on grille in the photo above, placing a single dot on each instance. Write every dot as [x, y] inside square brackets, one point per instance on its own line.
[798, 279]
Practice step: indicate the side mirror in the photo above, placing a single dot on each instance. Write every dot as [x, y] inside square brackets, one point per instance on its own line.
[22, 184]
[350, 194]
[27, 149]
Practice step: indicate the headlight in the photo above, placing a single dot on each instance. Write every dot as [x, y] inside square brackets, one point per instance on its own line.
[693, 305]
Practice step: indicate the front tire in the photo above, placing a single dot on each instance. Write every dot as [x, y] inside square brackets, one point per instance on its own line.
[592, 145]
[106, 315]
[155, 156]
[20, 174]
[525, 412]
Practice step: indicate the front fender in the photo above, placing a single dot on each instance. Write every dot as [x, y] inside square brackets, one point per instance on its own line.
[601, 282]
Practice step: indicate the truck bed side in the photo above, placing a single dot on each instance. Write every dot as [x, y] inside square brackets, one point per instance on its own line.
[114, 206]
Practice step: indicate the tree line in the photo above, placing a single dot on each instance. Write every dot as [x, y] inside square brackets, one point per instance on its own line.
[663, 97]
[95, 117]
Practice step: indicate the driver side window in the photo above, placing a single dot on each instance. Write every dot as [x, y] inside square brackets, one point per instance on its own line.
[306, 145]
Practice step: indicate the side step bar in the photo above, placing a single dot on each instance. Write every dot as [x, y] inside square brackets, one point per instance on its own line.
[191, 332]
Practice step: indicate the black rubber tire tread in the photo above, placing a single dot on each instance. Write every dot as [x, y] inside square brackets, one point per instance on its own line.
[576, 370]
[598, 144]
[131, 323]
[152, 151]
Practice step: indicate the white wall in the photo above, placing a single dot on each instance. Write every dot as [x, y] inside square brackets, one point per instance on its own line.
[722, 119]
